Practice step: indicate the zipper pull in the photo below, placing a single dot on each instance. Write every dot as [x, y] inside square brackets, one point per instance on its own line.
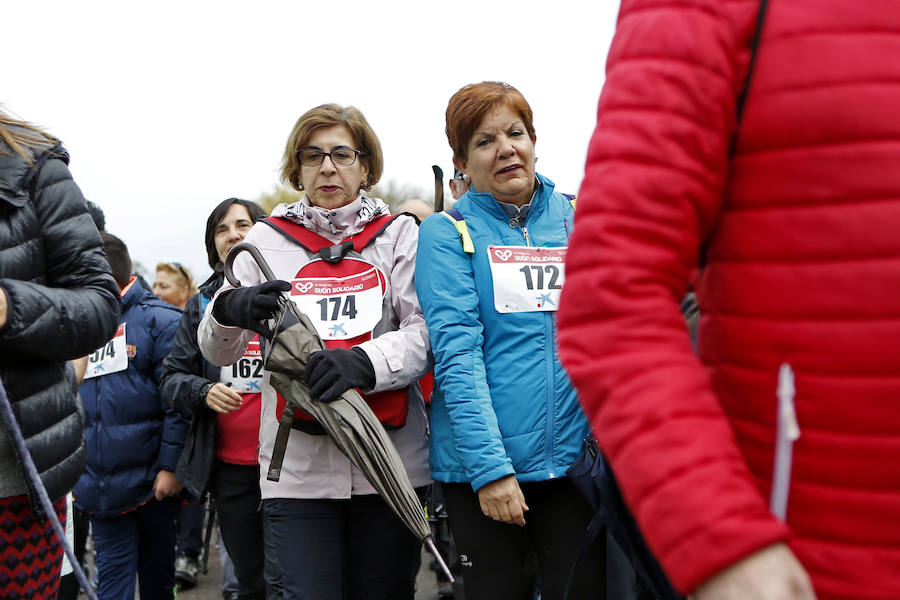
[527, 238]
[786, 393]
[514, 221]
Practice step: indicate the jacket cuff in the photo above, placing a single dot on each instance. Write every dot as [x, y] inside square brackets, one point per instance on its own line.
[168, 458]
[385, 379]
[692, 562]
[492, 475]
[204, 390]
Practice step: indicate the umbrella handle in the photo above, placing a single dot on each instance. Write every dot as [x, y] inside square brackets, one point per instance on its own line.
[438, 188]
[254, 252]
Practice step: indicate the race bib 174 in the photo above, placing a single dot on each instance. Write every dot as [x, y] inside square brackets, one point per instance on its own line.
[342, 307]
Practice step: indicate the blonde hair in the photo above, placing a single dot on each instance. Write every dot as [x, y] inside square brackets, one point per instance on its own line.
[22, 137]
[327, 115]
[182, 274]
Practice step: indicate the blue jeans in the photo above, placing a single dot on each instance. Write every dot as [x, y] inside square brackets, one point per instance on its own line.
[342, 549]
[138, 543]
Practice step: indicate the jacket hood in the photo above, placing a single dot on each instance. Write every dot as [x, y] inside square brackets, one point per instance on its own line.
[15, 171]
[138, 294]
[335, 224]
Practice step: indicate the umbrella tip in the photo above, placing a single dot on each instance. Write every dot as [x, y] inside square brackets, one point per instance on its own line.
[429, 543]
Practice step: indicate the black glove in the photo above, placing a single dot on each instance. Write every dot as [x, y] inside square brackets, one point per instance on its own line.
[245, 307]
[330, 373]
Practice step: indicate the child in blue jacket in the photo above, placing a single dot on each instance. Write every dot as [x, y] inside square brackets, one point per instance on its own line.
[134, 439]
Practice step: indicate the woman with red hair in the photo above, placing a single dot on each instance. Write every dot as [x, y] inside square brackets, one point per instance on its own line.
[505, 420]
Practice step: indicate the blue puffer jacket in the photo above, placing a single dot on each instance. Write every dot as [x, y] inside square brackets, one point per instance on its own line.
[131, 433]
[502, 402]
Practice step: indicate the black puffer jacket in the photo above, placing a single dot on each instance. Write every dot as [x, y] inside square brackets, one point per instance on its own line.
[185, 379]
[63, 304]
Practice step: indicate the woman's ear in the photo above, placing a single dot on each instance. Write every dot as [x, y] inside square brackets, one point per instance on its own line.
[365, 180]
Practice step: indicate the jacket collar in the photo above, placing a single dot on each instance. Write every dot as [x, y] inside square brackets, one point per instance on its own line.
[209, 287]
[135, 294]
[13, 169]
[542, 192]
[15, 172]
[336, 224]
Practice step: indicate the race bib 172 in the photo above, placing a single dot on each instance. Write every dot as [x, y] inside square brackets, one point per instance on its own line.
[527, 279]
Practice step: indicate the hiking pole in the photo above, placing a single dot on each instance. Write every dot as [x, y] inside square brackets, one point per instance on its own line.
[32, 473]
[210, 524]
[438, 188]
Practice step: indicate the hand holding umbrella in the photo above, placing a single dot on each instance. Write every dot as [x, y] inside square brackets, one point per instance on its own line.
[295, 348]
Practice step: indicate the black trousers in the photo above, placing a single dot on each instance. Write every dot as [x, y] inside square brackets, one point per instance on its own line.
[355, 549]
[496, 557]
[236, 492]
[189, 541]
[68, 584]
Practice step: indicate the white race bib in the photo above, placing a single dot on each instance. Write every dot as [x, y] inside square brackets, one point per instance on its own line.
[527, 279]
[342, 307]
[111, 357]
[245, 376]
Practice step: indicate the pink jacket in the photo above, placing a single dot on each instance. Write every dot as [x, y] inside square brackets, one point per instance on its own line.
[313, 465]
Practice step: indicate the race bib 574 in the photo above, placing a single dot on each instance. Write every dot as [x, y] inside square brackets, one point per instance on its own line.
[111, 357]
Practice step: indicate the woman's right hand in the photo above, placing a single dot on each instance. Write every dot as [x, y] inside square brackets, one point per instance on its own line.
[773, 573]
[223, 399]
[247, 307]
[503, 500]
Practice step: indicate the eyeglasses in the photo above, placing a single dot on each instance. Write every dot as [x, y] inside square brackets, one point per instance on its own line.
[341, 156]
[183, 272]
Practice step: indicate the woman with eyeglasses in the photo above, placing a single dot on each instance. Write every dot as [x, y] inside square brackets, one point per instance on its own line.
[335, 537]
[174, 284]
[505, 419]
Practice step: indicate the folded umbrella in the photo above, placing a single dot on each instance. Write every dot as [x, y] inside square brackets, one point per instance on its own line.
[348, 421]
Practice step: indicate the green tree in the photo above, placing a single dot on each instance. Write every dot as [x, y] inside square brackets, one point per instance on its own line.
[394, 194]
[279, 195]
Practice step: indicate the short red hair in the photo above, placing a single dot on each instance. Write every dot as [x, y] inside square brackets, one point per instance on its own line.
[471, 103]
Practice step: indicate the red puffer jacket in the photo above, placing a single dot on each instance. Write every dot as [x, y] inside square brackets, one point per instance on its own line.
[803, 268]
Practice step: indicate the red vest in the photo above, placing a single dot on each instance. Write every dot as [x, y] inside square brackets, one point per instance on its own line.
[334, 268]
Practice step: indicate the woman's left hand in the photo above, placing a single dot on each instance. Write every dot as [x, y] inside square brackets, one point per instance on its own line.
[503, 500]
[330, 373]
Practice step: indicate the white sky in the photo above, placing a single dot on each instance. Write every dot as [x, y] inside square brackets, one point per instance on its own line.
[168, 107]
